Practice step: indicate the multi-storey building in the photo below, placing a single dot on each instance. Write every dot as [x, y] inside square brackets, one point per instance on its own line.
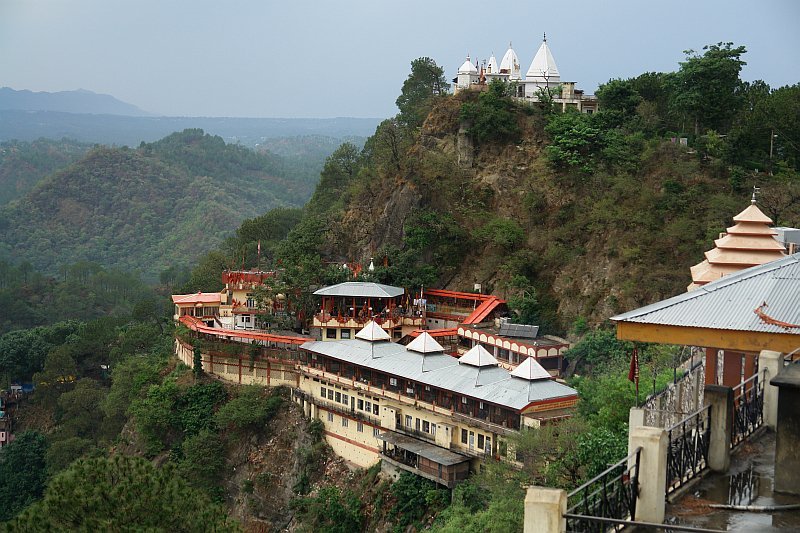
[418, 408]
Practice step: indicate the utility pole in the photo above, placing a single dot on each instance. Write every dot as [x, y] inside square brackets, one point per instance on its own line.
[772, 137]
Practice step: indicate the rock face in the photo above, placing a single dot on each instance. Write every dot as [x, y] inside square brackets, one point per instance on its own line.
[592, 245]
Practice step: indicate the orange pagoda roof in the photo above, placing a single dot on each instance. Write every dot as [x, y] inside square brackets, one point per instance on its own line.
[750, 242]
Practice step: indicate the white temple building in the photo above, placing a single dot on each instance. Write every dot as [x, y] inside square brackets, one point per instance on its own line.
[542, 75]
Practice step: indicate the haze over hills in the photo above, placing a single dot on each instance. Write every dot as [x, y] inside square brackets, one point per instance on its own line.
[96, 118]
[78, 101]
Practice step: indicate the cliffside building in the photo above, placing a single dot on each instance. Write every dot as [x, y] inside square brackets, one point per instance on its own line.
[542, 76]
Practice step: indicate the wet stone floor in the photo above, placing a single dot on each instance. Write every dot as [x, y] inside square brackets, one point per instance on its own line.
[749, 481]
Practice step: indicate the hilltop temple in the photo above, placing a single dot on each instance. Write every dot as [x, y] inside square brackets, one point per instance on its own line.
[542, 75]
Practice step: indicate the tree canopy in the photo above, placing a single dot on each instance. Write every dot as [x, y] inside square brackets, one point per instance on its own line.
[426, 81]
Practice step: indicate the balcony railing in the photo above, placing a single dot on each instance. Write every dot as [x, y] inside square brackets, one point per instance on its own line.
[610, 495]
[415, 432]
[748, 408]
[687, 451]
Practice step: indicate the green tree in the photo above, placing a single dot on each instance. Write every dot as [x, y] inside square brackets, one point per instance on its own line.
[121, 494]
[426, 81]
[493, 117]
[197, 362]
[707, 89]
[23, 473]
[80, 415]
[249, 410]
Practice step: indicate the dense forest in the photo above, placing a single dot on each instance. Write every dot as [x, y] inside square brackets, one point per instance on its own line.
[151, 208]
[572, 217]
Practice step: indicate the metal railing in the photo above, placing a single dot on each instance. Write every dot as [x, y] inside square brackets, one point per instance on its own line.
[748, 408]
[610, 495]
[687, 449]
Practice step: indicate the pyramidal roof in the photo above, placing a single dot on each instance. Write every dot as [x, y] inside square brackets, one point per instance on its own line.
[510, 63]
[373, 332]
[531, 370]
[424, 344]
[478, 356]
[543, 68]
[467, 67]
[749, 243]
[491, 66]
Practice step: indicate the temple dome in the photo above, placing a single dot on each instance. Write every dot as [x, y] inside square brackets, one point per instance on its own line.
[543, 68]
[491, 66]
[510, 63]
[467, 67]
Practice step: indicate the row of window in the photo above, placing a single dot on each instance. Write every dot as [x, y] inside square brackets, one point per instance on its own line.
[376, 431]
[344, 399]
[484, 442]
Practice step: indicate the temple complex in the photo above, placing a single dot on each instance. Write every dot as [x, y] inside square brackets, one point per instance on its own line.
[541, 77]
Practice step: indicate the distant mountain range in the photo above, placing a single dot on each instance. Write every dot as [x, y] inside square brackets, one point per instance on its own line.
[80, 101]
[98, 118]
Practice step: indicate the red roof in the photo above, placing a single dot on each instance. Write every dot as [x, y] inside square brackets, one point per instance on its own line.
[459, 295]
[198, 298]
[195, 324]
[483, 310]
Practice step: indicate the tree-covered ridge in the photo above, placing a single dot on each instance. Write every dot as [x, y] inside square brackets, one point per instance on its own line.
[24, 164]
[571, 216]
[163, 204]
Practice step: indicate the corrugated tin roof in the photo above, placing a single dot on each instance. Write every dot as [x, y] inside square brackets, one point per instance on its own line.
[429, 451]
[361, 289]
[491, 384]
[729, 302]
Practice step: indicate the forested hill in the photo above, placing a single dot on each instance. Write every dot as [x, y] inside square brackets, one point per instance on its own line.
[147, 209]
[573, 217]
[23, 164]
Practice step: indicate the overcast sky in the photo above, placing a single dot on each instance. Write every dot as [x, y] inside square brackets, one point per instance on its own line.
[301, 58]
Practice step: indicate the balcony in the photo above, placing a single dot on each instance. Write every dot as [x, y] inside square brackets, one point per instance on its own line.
[415, 433]
[391, 322]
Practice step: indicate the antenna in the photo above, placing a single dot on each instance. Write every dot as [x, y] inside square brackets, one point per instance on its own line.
[544, 37]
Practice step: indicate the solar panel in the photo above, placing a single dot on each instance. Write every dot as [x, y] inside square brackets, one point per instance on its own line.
[522, 331]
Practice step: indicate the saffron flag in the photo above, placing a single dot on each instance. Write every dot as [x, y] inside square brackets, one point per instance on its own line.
[633, 373]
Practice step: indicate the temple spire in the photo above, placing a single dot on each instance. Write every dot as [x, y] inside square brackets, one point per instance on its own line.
[756, 190]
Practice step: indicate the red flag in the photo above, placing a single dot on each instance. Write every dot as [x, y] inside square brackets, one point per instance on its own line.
[633, 373]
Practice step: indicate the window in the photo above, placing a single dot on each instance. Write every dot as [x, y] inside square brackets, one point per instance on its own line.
[409, 421]
[361, 405]
[344, 422]
[464, 400]
[376, 431]
[480, 441]
[426, 426]
[433, 429]
[345, 399]
[463, 436]
[330, 394]
[367, 407]
[330, 333]
[471, 439]
[322, 392]
[480, 405]
[330, 416]
[488, 445]
[393, 382]
[375, 408]
[338, 397]
[360, 427]
[345, 333]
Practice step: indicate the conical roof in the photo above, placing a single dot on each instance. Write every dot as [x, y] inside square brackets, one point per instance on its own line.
[478, 356]
[373, 332]
[531, 370]
[467, 67]
[491, 66]
[749, 243]
[543, 68]
[510, 63]
[424, 344]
